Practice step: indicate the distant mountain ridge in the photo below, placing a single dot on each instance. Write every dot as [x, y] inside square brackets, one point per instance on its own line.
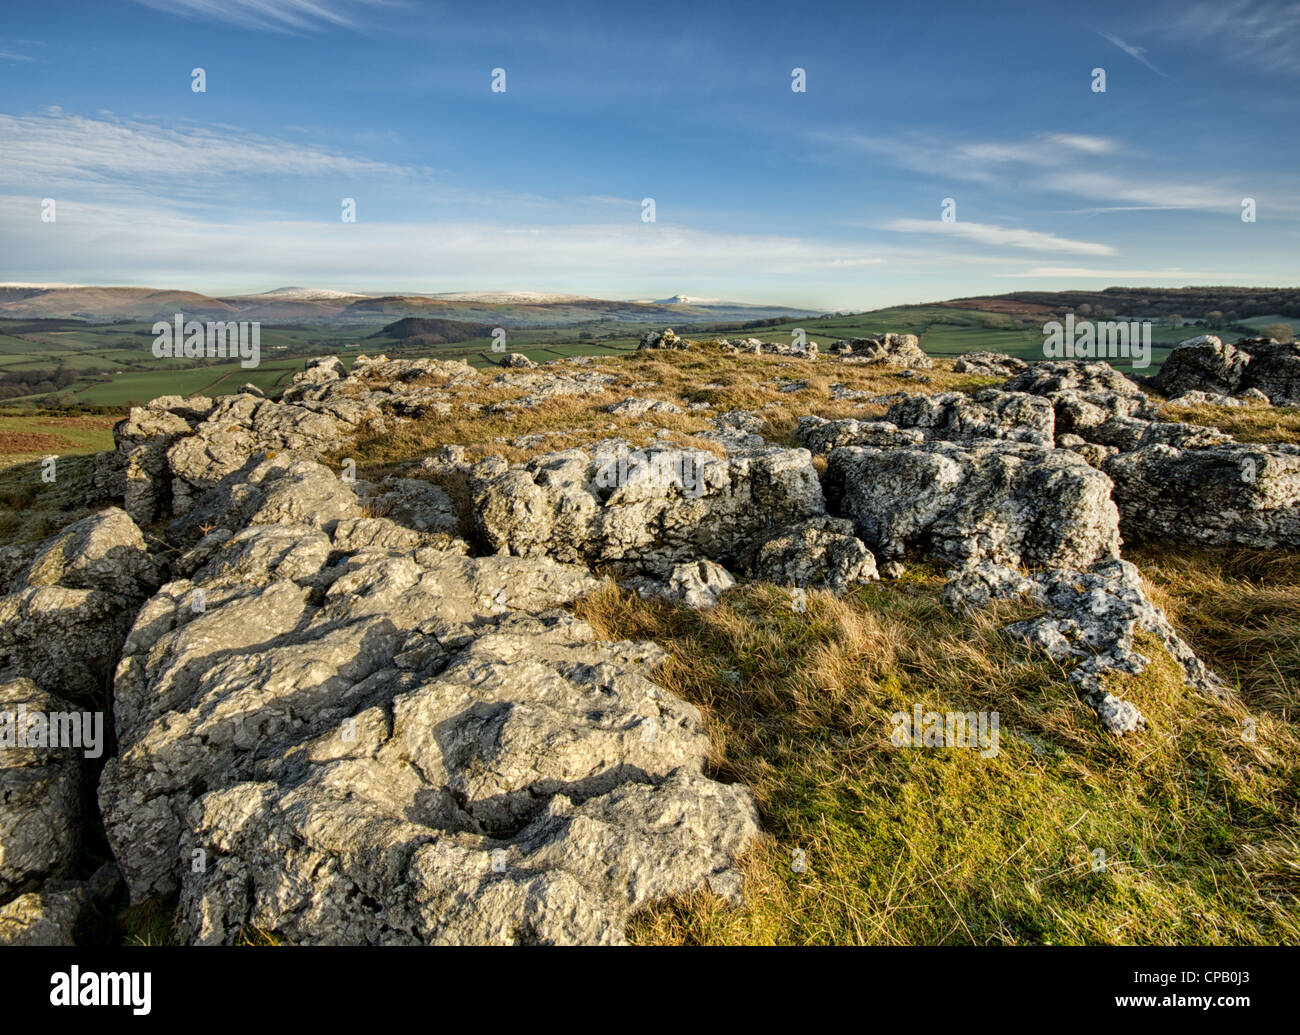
[316, 306]
[1188, 302]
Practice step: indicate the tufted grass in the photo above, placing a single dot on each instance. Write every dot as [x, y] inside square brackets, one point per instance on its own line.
[32, 508]
[151, 922]
[1244, 423]
[940, 846]
[1241, 610]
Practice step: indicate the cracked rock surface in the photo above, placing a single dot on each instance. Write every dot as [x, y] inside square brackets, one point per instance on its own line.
[354, 746]
[1006, 501]
[68, 608]
[1208, 364]
[642, 511]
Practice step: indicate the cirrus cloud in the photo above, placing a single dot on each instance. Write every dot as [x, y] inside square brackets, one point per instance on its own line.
[1001, 236]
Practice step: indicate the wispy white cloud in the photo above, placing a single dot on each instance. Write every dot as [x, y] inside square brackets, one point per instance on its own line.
[1001, 236]
[984, 161]
[109, 157]
[1090, 168]
[1086, 273]
[1259, 34]
[609, 199]
[1135, 52]
[148, 245]
[275, 15]
[1105, 185]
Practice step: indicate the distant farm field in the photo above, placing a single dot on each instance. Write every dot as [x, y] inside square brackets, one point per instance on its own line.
[49, 363]
[26, 438]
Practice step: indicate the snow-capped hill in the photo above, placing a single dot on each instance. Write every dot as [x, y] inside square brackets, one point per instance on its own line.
[510, 297]
[685, 300]
[306, 293]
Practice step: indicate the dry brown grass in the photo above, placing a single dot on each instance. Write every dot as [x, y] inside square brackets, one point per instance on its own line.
[1240, 611]
[1244, 423]
[723, 381]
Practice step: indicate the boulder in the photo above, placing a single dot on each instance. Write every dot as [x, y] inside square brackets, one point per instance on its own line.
[666, 339]
[976, 583]
[1274, 371]
[1051, 376]
[988, 414]
[136, 471]
[895, 350]
[40, 793]
[1010, 502]
[1087, 396]
[63, 913]
[406, 748]
[821, 436]
[1220, 494]
[242, 427]
[1207, 364]
[416, 504]
[642, 510]
[639, 407]
[321, 370]
[268, 491]
[697, 585]
[820, 553]
[989, 364]
[1203, 363]
[1199, 398]
[67, 612]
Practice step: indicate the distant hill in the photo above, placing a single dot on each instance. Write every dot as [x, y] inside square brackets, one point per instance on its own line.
[1191, 303]
[415, 330]
[102, 304]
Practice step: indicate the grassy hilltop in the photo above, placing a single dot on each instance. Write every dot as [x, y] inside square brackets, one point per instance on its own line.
[1196, 820]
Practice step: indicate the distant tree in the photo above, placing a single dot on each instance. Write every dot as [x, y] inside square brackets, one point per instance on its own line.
[1280, 331]
[1175, 319]
[1214, 317]
[1085, 309]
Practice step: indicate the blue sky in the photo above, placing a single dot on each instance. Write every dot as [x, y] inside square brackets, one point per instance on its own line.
[829, 198]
